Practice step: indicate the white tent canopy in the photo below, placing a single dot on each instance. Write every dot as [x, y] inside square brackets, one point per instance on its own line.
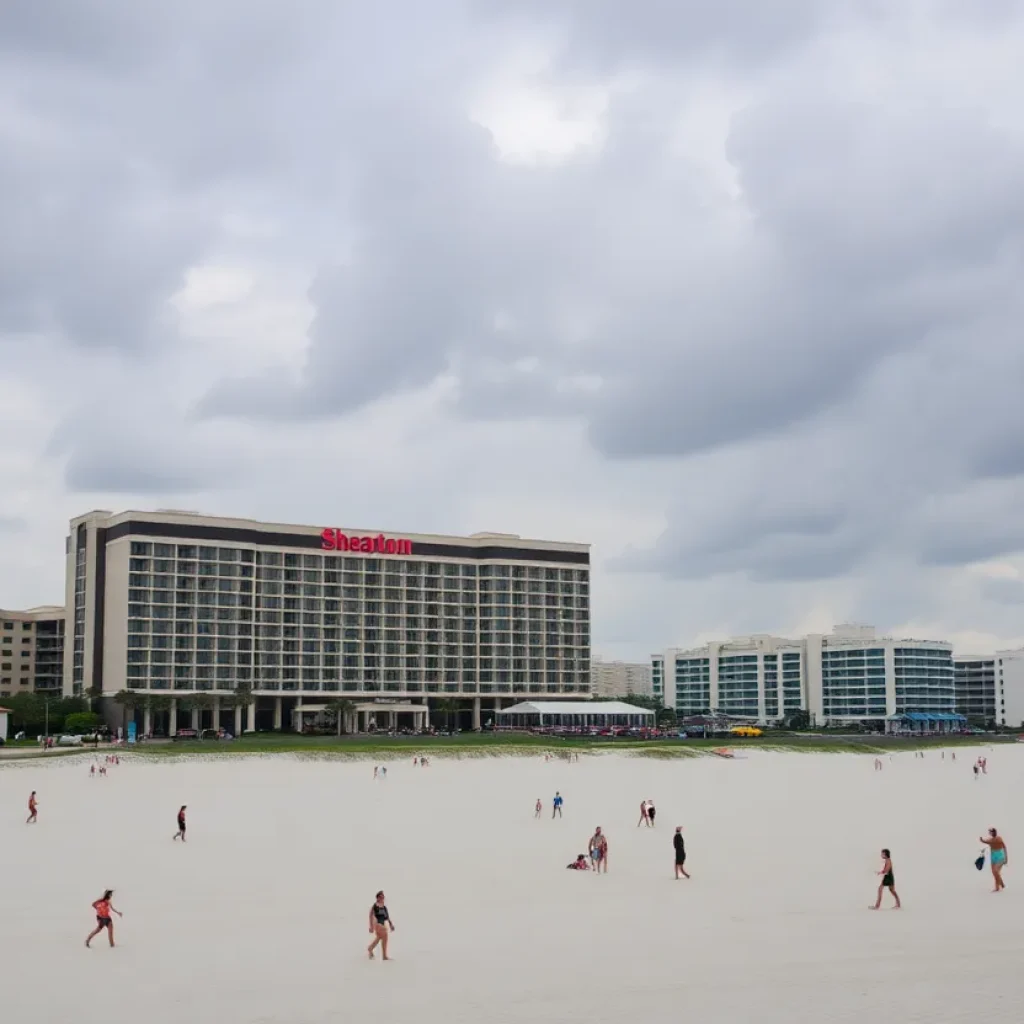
[575, 714]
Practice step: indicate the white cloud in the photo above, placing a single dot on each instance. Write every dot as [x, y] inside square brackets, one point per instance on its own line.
[729, 291]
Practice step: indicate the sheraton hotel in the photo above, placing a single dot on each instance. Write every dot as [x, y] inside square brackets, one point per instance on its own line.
[180, 606]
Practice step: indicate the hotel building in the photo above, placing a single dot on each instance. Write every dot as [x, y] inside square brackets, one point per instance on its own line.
[178, 604]
[850, 676]
[32, 651]
[990, 688]
[620, 679]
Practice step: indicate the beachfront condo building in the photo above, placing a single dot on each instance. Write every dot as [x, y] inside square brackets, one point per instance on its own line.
[620, 679]
[975, 682]
[850, 676]
[990, 688]
[32, 651]
[178, 605]
[658, 679]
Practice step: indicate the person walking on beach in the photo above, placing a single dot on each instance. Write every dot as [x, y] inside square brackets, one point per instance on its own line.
[556, 806]
[538, 809]
[997, 857]
[644, 820]
[380, 922]
[180, 834]
[104, 908]
[33, 809]
[888, 881]
[650, 813]
[680, 848]
[599, 850]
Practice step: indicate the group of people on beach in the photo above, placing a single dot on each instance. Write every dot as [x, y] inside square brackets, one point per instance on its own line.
[647, 814]
[997, 857]
[596, 859]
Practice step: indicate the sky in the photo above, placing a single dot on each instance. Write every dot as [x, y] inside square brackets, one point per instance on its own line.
[730, 292]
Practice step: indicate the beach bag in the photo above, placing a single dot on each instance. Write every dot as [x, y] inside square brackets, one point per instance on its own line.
[980, 862]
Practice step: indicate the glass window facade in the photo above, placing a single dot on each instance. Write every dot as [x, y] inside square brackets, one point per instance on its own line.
[792, 681]
[693, 686]
[658, 679]
[975, 687]
[737, 685]
[205, 617]
[78, 611]
[925, 679]
[853, 683]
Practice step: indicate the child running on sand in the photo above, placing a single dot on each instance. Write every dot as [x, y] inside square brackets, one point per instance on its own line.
[104, 908]
[180, 834]
[888, 881]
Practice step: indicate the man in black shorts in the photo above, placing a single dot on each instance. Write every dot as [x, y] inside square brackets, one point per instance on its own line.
[680, 848]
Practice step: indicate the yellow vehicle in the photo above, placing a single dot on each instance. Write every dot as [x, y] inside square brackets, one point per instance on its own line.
[746, 730]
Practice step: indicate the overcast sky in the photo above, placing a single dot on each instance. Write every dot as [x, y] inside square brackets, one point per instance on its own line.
[731, 291]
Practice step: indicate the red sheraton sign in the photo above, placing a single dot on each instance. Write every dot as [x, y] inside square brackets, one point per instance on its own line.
[335, 540]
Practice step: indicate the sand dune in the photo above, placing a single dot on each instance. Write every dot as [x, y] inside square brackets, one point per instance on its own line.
[262, 916]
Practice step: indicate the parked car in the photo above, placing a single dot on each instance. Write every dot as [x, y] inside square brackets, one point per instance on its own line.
[186, 734]
[69, 741]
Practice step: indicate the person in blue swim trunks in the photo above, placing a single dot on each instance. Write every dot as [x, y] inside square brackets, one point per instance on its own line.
[997, 857]
[599, 851]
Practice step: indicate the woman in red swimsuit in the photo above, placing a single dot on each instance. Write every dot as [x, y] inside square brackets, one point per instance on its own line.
[104, 908]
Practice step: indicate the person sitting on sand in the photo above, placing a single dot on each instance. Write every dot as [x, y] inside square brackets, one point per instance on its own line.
[579, 864]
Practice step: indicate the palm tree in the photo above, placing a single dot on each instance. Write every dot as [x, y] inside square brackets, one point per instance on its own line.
[239, 697]
[450, 706]
[345, 708]
[157, 703]
[128, 700]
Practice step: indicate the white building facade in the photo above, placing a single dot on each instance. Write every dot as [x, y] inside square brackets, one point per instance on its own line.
[620, 679]
[178, 604]
[1010, 688]
[848, 676]
[990, 688]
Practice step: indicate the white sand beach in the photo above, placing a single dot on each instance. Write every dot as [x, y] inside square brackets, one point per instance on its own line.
[262, 916]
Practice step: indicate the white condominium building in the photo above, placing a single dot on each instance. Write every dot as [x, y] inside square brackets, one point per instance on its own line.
[990, 688]
[848, 676]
